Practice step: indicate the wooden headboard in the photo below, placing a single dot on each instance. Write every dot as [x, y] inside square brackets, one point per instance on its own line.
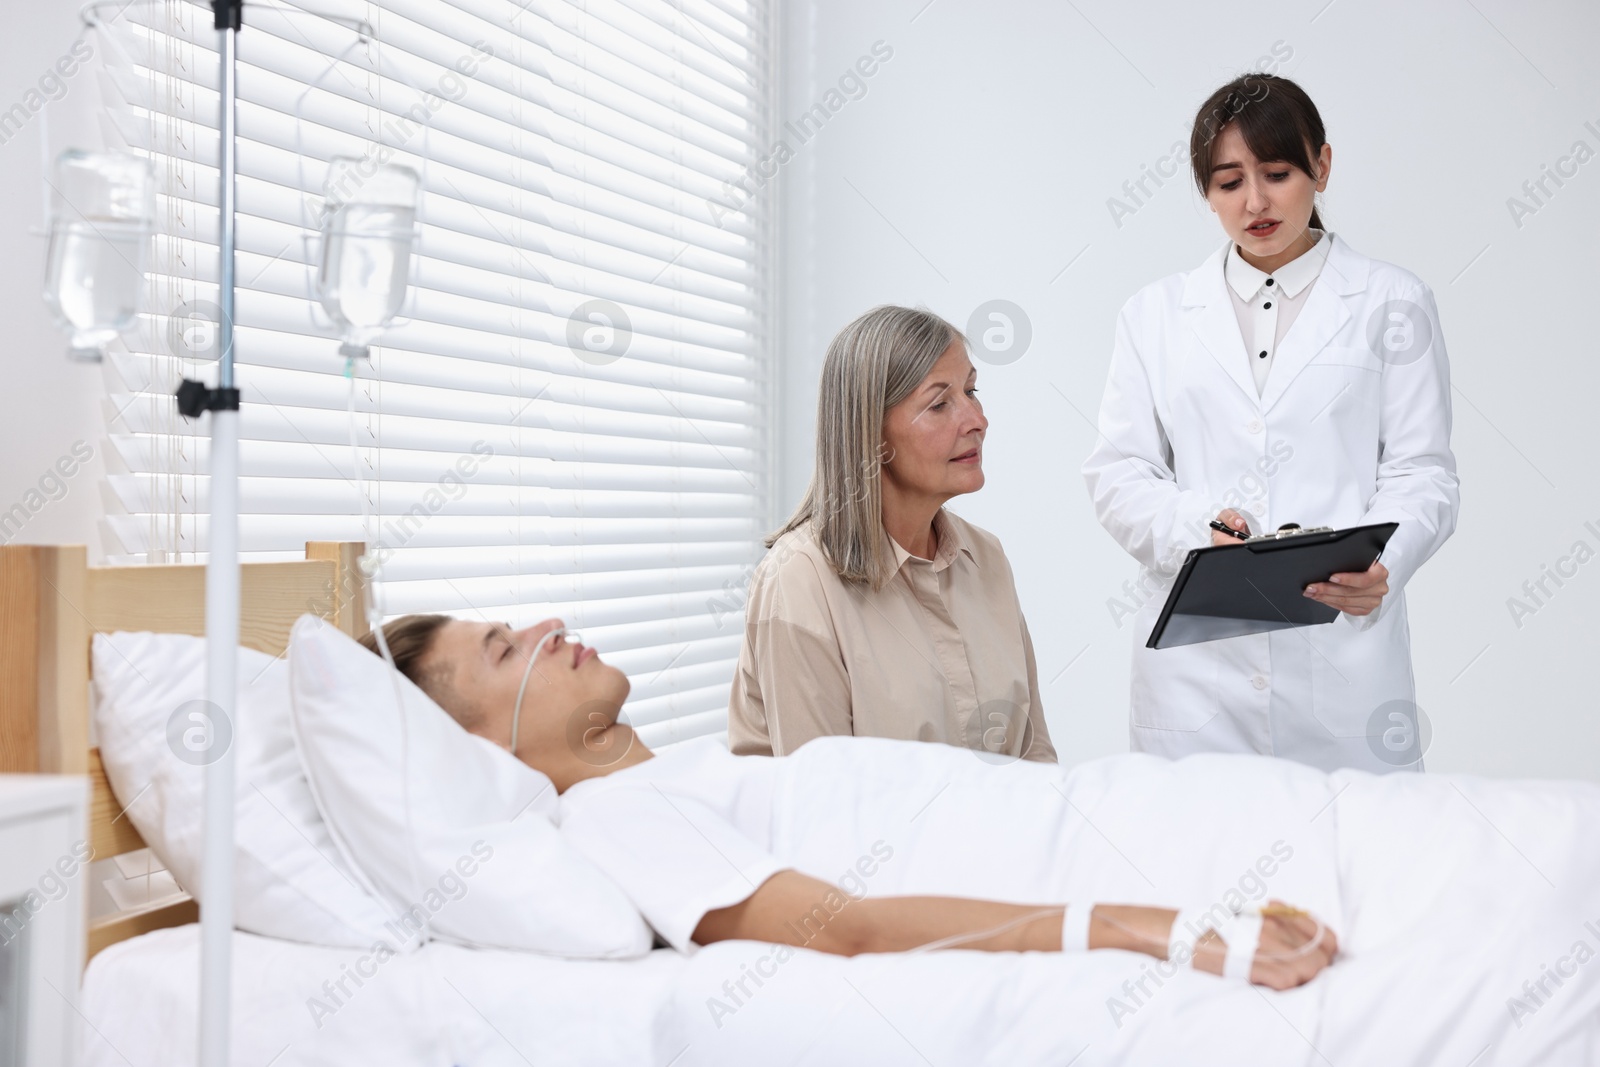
[52, 603]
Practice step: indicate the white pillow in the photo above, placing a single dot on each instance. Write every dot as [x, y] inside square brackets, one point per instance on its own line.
[483, 863]
[289, 879]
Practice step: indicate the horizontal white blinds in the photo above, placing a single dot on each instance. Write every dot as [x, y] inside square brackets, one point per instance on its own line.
[570, 153]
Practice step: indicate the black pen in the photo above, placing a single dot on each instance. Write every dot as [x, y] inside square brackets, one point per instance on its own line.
[1215, 525]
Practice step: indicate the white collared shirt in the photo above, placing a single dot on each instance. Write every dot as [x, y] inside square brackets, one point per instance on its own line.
[1267, 304]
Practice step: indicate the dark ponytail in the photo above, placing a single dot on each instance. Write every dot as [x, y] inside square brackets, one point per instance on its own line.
[1275, 117]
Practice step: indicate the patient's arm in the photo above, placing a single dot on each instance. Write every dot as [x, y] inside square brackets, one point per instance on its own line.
[795, 909]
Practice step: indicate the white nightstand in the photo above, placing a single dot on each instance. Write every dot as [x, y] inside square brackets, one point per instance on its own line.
[44, 852]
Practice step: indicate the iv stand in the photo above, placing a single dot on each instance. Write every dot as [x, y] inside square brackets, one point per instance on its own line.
[222, 578]
[222, 586]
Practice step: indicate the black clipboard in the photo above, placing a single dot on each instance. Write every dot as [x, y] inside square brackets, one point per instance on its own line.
[1257, 586]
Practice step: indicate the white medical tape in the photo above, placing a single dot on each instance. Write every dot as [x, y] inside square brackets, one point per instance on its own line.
[1075, 927]
[1243, 935]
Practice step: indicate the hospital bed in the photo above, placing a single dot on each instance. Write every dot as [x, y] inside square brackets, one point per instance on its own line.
[732, 1003]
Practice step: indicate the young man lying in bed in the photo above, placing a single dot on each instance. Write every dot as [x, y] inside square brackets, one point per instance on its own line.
[688, 834]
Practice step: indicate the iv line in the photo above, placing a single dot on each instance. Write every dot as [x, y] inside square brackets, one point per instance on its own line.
[371, 566]
[961, 939]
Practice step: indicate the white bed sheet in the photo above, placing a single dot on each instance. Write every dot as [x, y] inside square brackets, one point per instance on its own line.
[440, 1006]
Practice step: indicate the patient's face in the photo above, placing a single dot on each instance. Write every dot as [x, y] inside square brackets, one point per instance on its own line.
[569, 688]
[936, 433]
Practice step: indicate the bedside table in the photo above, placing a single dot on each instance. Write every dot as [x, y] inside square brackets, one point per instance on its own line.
[44, 852]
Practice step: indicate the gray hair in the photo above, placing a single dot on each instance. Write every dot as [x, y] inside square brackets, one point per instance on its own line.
[872, 365]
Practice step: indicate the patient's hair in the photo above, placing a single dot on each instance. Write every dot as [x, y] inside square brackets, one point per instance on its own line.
[872, 365]
[409, 638]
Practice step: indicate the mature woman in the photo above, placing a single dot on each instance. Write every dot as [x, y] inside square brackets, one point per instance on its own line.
[877, 612]
[1287, 379]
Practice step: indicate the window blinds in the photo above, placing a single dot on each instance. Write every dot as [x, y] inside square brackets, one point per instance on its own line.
[571, 417]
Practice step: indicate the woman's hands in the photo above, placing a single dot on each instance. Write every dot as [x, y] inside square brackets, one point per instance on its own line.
[1353, 592]
[1233, 521]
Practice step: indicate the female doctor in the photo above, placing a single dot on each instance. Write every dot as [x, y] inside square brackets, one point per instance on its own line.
[1287, 379]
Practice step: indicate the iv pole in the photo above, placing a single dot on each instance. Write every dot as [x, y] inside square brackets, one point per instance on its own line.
[222, 579]
[222, 586]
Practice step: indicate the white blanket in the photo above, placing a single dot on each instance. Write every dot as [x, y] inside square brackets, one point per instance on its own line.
[1448, 895]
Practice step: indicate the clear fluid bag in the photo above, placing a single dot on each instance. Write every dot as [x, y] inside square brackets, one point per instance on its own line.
[102, 208]
[368, 230]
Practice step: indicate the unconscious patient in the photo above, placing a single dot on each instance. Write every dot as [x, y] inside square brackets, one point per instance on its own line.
[565, 726]
[937, 846]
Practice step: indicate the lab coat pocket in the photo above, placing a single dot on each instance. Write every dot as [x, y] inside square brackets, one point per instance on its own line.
[1358, 357]
[1344, 378]
[1175, 688]
[1360, 678]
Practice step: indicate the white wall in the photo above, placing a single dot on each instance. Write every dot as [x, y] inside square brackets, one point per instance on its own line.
[979, 164]
[48, 404]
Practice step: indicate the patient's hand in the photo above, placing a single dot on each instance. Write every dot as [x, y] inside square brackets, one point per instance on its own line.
[1149, 930]
[1281, 936]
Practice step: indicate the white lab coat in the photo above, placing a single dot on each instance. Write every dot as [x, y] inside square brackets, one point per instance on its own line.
[1339, 437]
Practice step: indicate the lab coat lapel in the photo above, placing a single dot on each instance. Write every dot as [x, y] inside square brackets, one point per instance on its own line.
[1328, 309]
[1211, 317]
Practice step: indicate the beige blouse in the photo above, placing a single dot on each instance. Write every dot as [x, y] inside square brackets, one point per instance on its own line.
[941, 653]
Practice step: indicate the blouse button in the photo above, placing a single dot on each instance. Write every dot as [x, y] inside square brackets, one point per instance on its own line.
[1268, 304]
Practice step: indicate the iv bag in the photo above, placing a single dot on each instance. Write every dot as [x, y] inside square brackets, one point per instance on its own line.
[367, 233]
[102, 207]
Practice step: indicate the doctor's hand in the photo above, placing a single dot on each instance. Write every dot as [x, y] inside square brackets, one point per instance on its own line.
[1352, 592]
[1233, 521]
